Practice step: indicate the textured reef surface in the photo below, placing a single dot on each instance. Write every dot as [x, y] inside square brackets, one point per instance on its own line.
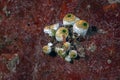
[22, 38]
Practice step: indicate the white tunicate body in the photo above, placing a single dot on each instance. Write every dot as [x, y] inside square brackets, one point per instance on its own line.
[68, 59]
[50, 44]
[73, 52]
[56, 26]
[48, 31]
[67, 45]
[49, 50]
[79, 31]
[59, 38]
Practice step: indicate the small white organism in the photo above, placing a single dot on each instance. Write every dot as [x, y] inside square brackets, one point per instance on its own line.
[81, 27]
[73, 54]
[61, 34]
[60, 51]
[50, 30]
[47, 48]
[50, 44]
[68, 59]
[66, 46]
[69, 19]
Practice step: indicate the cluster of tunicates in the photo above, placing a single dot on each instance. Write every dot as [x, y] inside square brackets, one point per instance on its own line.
[64, 38]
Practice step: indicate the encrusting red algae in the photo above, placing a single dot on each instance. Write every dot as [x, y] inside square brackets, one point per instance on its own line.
[21, 33]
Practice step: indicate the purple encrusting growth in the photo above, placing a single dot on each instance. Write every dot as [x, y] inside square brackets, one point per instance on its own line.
[21, 32]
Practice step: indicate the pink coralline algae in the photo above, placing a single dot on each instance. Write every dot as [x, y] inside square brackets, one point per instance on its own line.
[22, 38]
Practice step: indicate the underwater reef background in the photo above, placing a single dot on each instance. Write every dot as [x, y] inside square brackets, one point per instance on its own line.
[22, 38]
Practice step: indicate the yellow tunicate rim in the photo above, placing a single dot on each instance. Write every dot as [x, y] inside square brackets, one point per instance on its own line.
[66, 45]
[69, 17]
[45, 49]
[73, 54]
[82, 24]
[47, 27]
[60, 52]
[62, 32]
[52, 26]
